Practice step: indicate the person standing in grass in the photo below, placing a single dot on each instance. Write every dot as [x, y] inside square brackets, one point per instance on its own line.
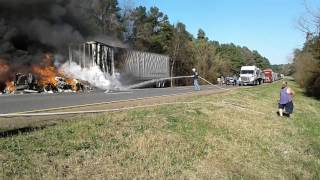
[195, 79]
[285, 101]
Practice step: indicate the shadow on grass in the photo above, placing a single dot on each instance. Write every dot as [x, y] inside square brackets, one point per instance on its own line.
[311, 95]
[24, 130]
[311, 92]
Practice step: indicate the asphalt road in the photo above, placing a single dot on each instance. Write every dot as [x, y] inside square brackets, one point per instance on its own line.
[30, 102]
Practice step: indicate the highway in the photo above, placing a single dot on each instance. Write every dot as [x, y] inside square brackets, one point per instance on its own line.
[31, 102]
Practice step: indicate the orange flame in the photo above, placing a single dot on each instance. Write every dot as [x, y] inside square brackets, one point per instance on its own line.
[4, 70]
[46, 74]
[10, 88]
[72, 83]
[46, 71]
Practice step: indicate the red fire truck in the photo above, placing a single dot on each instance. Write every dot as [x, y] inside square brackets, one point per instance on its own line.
[268, 75]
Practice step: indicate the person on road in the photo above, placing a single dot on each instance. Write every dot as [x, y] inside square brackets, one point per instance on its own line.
[195, 79]
[285, 101]
[235, 80]
[222, 81]
[219, 80]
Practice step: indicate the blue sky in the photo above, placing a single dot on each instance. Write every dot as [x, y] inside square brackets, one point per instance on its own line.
[269, 26]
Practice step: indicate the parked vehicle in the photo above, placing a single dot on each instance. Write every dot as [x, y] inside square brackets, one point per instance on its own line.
[231, 81]
[250, 75]
[268, 73]
[275, 76]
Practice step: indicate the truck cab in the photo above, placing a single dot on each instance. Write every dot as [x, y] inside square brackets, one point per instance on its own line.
[268, 73]
[250, 75]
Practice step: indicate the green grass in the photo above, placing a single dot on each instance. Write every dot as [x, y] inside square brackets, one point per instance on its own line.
[234, 135]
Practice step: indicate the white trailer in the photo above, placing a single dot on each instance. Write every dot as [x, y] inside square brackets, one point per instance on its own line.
[133, 66]
[146, 66]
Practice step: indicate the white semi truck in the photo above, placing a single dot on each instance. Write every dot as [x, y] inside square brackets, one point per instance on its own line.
[250, 75]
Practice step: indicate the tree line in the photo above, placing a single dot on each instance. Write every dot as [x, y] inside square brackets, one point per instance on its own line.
[306, 60]
[307, 66]
[285, 69]
[150, 30]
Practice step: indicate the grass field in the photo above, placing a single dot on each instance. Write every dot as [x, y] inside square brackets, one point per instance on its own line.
[233, 135]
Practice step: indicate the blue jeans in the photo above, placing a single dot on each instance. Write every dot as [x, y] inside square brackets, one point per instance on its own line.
[196, 85]
[287, 107]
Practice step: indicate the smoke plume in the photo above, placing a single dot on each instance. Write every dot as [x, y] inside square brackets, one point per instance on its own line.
[32, 29]
[29, 28]
[93, 75]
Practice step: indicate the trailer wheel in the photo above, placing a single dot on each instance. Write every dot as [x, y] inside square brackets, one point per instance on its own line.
[163, 84]
[158, 84]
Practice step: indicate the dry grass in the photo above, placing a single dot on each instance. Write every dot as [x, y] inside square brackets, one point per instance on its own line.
[235, 135]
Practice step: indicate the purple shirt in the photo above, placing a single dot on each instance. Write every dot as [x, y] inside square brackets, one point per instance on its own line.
[284, 96]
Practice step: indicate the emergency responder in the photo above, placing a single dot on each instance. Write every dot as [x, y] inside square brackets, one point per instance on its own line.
[195, 79]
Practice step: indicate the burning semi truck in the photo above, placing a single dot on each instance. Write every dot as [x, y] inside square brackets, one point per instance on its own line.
[36, 78]
[120, 65]
[30, 83]
[90, 64]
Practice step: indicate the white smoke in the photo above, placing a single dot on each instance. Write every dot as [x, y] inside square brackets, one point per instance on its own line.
[92, 75]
